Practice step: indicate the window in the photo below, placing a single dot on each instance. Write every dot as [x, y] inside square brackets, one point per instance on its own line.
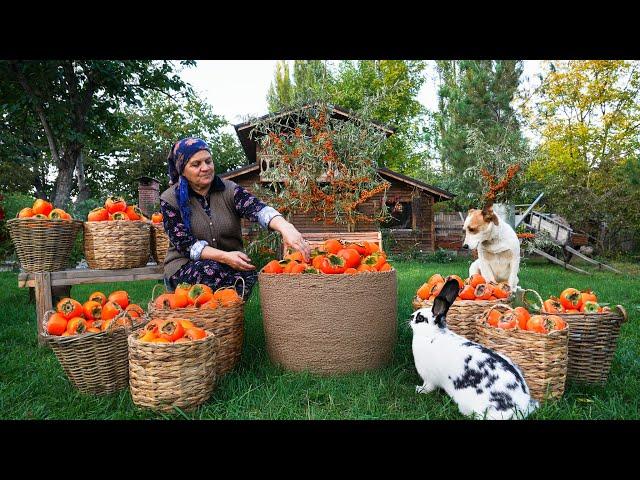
[401, 215]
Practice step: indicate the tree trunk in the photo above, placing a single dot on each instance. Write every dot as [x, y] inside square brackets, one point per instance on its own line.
[83, 188]
[64, 181]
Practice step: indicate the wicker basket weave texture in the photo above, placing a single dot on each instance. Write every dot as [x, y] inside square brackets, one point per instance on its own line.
[542, 358]
[43, 245]
[117, 244]
[159, 243]
[95, 363]
[462, 317]
[167, 375]
[593, 339]
[226, 323]
[330, 324]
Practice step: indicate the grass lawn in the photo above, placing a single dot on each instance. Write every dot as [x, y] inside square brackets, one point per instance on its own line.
[33, 384]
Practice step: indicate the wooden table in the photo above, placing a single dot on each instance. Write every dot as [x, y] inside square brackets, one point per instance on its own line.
[42, 282]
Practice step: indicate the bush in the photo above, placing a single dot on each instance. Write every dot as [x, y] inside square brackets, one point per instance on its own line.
[11, 204]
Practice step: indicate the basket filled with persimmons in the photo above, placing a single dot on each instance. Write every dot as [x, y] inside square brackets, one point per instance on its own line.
[221, 312]
[172, 363]
[537, 343]
[116, 236]
[159, 238]
[43, 237]
[90, 339]
[476, 295]
[593, 333]
[335, 314]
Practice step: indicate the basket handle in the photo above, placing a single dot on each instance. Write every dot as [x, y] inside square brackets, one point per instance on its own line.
[623, 311]
[153, 292]
[45, 320]
[531, 306]
[243, 285]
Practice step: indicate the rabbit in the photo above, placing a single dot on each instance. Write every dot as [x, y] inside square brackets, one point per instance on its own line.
[483, 383]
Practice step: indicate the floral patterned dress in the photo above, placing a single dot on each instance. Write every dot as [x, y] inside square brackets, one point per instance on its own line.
[211, 272]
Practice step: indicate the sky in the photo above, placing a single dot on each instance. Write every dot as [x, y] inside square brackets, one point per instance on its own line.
[237, 89]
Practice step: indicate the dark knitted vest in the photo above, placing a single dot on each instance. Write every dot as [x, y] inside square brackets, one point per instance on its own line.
[222, 230]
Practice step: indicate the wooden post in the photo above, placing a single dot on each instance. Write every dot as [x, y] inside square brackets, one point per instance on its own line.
[44, 301]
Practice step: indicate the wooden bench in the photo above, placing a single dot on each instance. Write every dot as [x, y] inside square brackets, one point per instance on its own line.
[43, 282]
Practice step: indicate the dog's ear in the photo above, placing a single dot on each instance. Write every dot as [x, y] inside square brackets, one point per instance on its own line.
[488, 215]
[444, 300]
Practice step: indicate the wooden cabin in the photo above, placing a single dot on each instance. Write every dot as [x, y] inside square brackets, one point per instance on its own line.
[410, 201]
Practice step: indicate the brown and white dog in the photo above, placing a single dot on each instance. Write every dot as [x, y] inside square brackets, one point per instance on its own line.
[498, 246]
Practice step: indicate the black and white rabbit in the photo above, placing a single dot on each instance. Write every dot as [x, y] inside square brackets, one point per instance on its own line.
[483, 383]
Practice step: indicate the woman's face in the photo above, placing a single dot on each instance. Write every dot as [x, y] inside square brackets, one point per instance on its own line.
[199, 170]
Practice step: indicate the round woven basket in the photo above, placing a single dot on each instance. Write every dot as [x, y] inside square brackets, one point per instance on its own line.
[159, 243]
[462, 315]
[95, 363]
[542, 358]
[593, 339]
[226, 323]
[43, 245]
[117, 244]
[167, 375]
[330, 324]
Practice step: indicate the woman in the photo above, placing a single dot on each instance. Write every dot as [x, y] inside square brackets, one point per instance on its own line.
[201, 214]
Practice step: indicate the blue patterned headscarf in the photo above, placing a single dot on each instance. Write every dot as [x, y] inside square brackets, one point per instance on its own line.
[180, 154]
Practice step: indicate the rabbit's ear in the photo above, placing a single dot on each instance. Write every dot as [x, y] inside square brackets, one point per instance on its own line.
[445, 298]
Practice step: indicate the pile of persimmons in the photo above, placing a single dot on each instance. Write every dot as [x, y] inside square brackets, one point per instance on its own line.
[95, 315]
[473, 288]
[520, 319]
[574, 301]
[199, 296]
[334, 257]
[116, 208]
[43, 210]
[172, 330]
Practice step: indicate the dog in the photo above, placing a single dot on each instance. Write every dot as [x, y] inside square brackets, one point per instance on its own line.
[498, 246]
[483, 383]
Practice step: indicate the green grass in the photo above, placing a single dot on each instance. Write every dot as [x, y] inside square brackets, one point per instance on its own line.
[34, 386]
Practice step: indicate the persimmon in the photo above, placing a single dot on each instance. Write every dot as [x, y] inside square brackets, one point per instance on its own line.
[76, 325]
[99, 297]
[476, 279]
[536, 324]
[483, 291]
[123, 320]
[199, 294]
[186, 324]
[552, 305]
[554, 322]
[91, 323]
[92, 310]
[227, 296]
[110, 310]
[152, 325]
[386, 267]
[121, 297]
[588, 296]
[351, 257]
[507, 322]
[93, 330]
[467, 293]
[26, 213]
[272, 267]
[56, 324]
[293, 266]
[160, 340]
[166, 301]
[133, 212]
[69, 308]
[119, 216]
[359, 247]
[40, 216]
[297, 256]
[371, 247]
[571, 298]
[310, 270]
[365, 268]
[183, 287]
[99, 214]
[211, 304]
[522, 316]
[423, 292]
[182, 340]
[493, 318]
[350, 271]
[333, 264]
[376, 260]
[115, 204]
[589, 307]
[134, 310]
[317, 261]
[195, 333]
[492, 297]
[333, 245]
[171, 329]
[501, 290]
[57, 214]
[456, 278]
[42, 207]
[436, 288]
[156, 217]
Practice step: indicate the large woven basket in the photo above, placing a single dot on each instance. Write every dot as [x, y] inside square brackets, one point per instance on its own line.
[463, 314]
[43, 245]
[226, 323]
[117, 244]
[593, 339]
[329, 324]
[167, 375]
[542, 358]
[159, 243]
[95, 363]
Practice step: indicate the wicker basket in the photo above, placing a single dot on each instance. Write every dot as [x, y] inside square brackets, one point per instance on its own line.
[117, 244]
[159, 243]
[542, 358]
[330, 324]
[167, 375]
[43, 245]
[95, 363]
[462, 315]
[593, 339]
[226, 323]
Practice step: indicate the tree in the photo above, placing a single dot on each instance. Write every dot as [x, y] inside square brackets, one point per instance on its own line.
[280, 94]
[74, 102]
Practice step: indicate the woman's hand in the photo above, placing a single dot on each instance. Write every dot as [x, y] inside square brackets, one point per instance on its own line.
[237, 260]
[291, 237]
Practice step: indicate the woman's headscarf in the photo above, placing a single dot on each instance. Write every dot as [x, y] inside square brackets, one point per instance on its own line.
[178, 158]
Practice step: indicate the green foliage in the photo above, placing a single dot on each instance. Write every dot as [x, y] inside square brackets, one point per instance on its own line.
[11, 204]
